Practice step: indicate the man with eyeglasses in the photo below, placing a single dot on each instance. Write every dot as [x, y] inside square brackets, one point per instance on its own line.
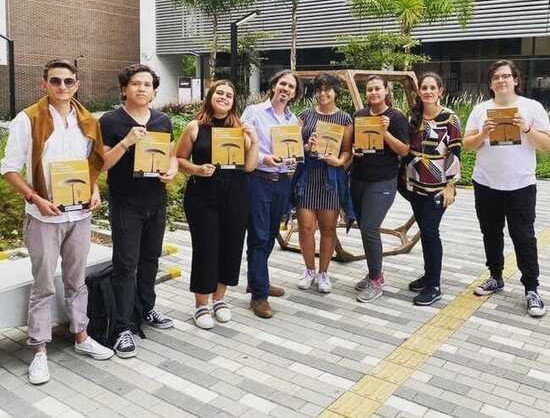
[57, 128]
[504, 179]
[137, 205]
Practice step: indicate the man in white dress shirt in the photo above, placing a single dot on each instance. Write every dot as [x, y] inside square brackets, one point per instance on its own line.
[56, 128]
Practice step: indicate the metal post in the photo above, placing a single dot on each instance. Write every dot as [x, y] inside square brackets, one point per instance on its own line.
[234, 52]
[11, 71]
[76, 68]
[11, 57]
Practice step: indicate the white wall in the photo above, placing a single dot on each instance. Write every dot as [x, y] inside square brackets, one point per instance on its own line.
[167, 67]
[3, 31]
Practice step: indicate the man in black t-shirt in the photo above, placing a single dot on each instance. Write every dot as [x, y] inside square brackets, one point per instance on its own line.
[137, 205]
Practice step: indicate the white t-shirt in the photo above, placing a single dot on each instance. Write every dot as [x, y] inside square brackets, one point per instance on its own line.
[507, 167]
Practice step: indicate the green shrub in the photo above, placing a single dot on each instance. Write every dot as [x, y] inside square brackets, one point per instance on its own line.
[12, 209]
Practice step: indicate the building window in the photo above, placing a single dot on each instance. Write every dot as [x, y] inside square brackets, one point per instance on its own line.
[190, 20]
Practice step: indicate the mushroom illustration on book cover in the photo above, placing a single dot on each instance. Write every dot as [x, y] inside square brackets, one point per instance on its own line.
[287, 142]
[152, 155]
[368, 133]
[329, 139]
[70, 184]
[228, 148]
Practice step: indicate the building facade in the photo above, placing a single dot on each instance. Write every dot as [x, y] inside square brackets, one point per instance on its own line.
[517, 29]
[102, 36]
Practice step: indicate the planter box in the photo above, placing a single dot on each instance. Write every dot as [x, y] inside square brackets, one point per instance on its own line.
[15, 282]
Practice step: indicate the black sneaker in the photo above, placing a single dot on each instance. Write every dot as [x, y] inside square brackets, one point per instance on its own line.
[157, 319]
[418, 285]
[125, 347]
[427, 297]
[535, 305]
[491, 285]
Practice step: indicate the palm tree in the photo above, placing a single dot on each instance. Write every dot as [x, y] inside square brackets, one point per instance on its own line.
[214, 9]
[153, 152]
[411, 13]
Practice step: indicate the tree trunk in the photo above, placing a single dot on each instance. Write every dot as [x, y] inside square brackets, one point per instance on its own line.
[294, 34]
[213, 52]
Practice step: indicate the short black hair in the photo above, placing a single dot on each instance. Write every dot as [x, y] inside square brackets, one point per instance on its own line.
[502, 63]
[58, 63]
[127, 73]
[328, 80]
[280, 74]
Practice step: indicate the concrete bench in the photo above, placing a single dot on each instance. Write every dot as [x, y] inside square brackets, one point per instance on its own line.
[15, 282]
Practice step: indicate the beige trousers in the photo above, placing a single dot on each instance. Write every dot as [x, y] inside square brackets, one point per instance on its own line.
[46, 242]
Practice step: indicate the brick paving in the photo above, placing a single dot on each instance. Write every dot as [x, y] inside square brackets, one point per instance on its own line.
[319, 351]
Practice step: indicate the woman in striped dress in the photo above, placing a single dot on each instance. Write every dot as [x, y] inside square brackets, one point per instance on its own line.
[321, 184]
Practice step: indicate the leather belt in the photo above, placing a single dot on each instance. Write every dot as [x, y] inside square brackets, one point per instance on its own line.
[270, 176]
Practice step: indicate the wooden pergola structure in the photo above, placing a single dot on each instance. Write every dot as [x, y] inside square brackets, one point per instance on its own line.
[351, 78]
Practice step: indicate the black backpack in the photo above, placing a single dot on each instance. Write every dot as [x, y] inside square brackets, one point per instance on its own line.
[101, 306]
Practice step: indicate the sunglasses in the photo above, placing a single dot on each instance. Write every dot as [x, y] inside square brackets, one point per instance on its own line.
[56, 81]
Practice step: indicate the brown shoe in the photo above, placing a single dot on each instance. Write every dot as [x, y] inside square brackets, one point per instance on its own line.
[275, 291]
[261, 308]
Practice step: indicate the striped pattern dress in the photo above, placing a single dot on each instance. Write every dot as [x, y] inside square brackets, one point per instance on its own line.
[318, 195]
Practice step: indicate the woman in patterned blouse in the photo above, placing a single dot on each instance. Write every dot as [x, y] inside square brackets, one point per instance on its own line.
[432, 168]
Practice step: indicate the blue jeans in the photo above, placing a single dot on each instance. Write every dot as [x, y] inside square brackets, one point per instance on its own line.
[374, 199]
[269, 201]
[428, 215]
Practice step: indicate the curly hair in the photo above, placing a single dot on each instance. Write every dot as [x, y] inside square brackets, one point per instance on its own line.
[127, 73]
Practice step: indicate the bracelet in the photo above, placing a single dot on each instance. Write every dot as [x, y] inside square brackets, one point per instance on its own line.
[527, 131]
[123, 146]
[29, 196]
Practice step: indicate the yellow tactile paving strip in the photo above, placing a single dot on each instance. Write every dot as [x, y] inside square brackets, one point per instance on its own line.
[372, 391]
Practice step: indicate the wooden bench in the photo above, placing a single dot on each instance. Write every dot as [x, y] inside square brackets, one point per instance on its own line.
[15, 283]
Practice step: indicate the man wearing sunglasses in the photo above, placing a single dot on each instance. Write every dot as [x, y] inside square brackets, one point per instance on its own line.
[56, 128]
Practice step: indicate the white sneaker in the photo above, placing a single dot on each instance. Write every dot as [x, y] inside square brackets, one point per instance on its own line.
[221, 311]
[92, 348]
[202, 318]
[38, 369]
[323, 282]
[307, 279]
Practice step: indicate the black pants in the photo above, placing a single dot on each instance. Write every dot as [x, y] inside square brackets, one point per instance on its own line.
[217, 210]
[517, 207]
[137, 234]
[428, 214]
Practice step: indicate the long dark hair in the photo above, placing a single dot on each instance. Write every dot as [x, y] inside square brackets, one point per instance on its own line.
[206, 114]
[515, 74]
[388, 99]
[417, 110]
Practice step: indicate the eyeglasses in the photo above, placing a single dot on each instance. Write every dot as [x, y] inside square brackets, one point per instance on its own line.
[68, 82]
[498, 77]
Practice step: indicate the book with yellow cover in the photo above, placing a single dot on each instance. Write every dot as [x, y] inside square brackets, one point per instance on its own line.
[152, 155]
[228, 147]
[369, 137]
[505, 133]
[287, 142]
[70, 182]
[329, 139]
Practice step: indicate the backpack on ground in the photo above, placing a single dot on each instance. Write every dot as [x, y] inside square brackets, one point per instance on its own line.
[101, 306]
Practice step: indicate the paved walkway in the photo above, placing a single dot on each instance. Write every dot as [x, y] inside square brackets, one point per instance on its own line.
[321, 354]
